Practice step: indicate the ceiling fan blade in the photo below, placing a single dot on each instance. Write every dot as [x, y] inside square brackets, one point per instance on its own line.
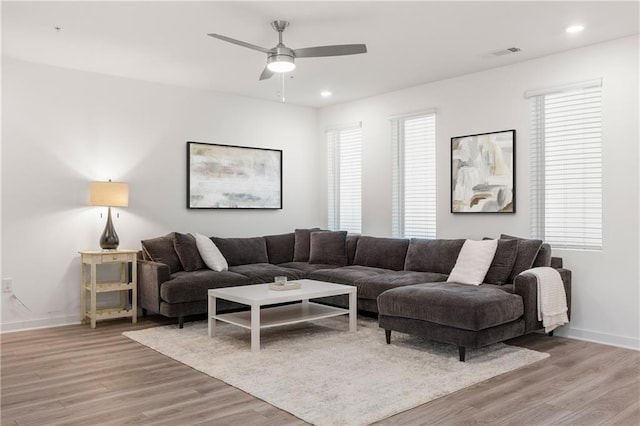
[266, 74]
[337, 50]
[240, 43]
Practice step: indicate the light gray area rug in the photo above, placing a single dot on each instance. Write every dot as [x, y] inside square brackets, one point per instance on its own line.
[325, 375]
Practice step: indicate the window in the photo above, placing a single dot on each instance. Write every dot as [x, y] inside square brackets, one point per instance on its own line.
[413, 141]
[566, 143]
[344, 148]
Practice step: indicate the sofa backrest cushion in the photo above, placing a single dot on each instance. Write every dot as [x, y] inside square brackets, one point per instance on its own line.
[302, 244]
[280, 247]
[527, 252]
[187, 251]
[161, 249]
[432, 255]
[386, 253]
[502, 263]
[543, 258]
[328, 247]
[352, 245]
[242, 251]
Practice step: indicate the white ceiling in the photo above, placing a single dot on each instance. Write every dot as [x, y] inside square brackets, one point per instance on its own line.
[409, 43]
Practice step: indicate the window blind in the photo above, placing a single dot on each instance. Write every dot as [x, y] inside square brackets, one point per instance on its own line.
[413, 140]
[566, 144]
[344, 148]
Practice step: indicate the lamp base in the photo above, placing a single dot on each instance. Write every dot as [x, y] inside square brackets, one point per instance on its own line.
[109, 239]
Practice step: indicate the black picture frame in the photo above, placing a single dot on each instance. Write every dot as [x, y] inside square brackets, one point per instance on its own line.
[483, 173]
[233, 177]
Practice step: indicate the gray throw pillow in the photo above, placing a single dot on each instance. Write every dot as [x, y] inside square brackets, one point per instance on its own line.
[503, 262]
[302, 244]
[544, 256]
[162, 250]
[527, 252]
[328, 247]
[432, 255]
[187, 251]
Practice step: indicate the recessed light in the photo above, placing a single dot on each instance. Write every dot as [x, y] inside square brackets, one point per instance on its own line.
[574, 28]
[325, 93]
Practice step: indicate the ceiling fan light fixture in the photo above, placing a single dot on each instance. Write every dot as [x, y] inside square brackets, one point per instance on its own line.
[281, 63]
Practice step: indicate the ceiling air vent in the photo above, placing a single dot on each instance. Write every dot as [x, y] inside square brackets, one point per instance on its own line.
[507, 51]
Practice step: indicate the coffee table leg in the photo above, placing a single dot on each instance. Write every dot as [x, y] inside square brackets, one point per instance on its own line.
[210, 313]
[353, 311]
[255, 328]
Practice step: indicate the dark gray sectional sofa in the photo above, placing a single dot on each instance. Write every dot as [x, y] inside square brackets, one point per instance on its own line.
[403, 281]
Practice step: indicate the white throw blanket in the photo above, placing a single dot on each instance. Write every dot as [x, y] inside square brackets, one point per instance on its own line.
[552, 299]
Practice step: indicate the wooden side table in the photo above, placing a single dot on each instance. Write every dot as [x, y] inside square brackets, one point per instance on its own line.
[90, 260]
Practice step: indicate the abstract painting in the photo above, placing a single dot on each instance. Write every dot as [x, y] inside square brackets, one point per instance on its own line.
[233, 177]
[483, 173]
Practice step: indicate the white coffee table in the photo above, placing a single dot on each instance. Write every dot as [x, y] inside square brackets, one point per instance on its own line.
[260, 295]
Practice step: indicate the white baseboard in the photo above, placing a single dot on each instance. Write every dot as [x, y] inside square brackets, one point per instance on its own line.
[9, 327]
[603, 338]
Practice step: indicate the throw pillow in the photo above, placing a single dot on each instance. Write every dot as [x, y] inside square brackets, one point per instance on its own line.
[329, 248]
[502, 263]
[302, 244]
[187, 250]
[527, 253]
[162, 250]
[473, 262]
[210, 254]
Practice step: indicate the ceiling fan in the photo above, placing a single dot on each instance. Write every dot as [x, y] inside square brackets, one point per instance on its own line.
[282, 58]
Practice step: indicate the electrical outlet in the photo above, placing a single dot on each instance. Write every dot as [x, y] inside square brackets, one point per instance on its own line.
[7, 285]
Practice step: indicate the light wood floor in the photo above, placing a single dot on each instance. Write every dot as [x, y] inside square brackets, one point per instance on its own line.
[77, 376]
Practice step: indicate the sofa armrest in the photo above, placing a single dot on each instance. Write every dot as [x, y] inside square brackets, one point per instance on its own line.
[151, 275]
[525, 286]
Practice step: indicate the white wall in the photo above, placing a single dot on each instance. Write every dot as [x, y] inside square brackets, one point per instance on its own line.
[606, 302]
[62, 129]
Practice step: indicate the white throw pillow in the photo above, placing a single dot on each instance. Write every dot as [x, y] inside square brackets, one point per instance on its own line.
[210, 254]
[473, 262]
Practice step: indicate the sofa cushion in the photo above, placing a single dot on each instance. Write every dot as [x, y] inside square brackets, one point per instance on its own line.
[192, 286]
[328, 247]
[265, 272]
[385, 253]
[280, 247]
[502, 263]
[451, 304]
[187, 251]
[473, 262]
[371, 287]
[307, 267]
[432, 255]
[527, 251]
[543, 258]
[346, 274]
[352, 244]
[161, 249]
[302, 244]
[242, 251]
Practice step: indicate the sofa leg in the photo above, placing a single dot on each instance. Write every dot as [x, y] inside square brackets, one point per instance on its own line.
[181, 321]
[462, 351]
[144, 312]
[550, 333]
[387, 335]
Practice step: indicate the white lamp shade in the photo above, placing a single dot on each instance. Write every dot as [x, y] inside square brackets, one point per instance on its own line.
[110, 194]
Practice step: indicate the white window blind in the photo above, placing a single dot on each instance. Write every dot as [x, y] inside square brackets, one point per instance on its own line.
[344, 148]
[413, 141]
[566, 169]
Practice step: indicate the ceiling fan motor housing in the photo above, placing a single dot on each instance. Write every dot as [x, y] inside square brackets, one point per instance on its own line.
[281, 60]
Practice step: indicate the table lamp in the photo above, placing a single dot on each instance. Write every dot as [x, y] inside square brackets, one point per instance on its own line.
[109, 194]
